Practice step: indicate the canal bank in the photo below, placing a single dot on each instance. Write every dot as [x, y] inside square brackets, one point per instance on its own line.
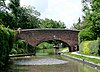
[82, 60]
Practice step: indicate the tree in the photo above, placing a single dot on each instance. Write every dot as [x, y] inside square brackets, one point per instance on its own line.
[49, 23]
[96, 17]
[24, 17]
[6, 45]
[91, 10]
[86, 34]
[2, 4]
[3, 12]
[78, 25]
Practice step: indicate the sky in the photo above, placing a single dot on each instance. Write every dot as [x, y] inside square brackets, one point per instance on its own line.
[67, 11]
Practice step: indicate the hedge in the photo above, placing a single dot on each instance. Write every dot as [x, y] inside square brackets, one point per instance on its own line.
[89, 47]
[6, 44]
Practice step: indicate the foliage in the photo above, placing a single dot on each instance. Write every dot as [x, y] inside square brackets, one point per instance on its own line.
[81, 45]
[6, 44]
[94, 46]
[62, 50]
[2, 5]
[98, 39]
[49, 23]
[21, 43]
[13, 51]
[20, 47]
[15, 16]
[91, 22]
[45, 47]
[89, 47]
[91, 9]
[78, 25]
[24, 17]
[86, 49]
[85, 35]
[5, 18]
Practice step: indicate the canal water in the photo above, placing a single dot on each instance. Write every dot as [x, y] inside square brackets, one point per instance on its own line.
[48, 64]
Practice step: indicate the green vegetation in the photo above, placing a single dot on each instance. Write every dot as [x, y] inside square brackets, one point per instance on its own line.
[45, 47]
[19, 48]
[90, 23]
[84, 47]
[22, 48]
[13, 16]
[97, 61]
[89, 47]
[66, 49]
[85, 35]
[49, 23]
[6, 44]
[89, 27]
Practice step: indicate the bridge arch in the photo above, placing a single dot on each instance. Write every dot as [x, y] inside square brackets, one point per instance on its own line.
[61, 41]
[35, 36]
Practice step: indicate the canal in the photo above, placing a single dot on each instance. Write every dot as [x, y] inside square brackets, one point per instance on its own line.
[54, 63]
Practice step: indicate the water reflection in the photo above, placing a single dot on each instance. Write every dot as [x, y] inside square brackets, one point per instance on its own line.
[49, 64]
[42, 61]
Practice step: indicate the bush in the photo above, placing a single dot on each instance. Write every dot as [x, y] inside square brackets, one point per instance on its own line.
[89, 47]
[94, 46]
[13, 51]
[6, 44]
[86, 49]
[85, 35]
[20, 47]
[99, 46]
[99, 42]
[21, 44]
[45, 47]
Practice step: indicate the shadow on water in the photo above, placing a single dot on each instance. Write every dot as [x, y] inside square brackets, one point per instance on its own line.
[47, 64]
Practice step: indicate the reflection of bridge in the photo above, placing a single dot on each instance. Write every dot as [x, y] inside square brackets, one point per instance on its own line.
[35, 36]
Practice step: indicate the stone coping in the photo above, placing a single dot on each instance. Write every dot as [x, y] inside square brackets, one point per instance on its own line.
[49, 29]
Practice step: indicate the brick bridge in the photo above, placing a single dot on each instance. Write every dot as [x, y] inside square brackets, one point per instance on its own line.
[35, 36]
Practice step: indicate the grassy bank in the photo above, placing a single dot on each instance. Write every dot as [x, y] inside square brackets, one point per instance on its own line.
[97, 61]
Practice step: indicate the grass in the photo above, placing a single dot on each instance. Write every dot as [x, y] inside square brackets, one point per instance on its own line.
[89, 54]
[61, 49]
[97, 61]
